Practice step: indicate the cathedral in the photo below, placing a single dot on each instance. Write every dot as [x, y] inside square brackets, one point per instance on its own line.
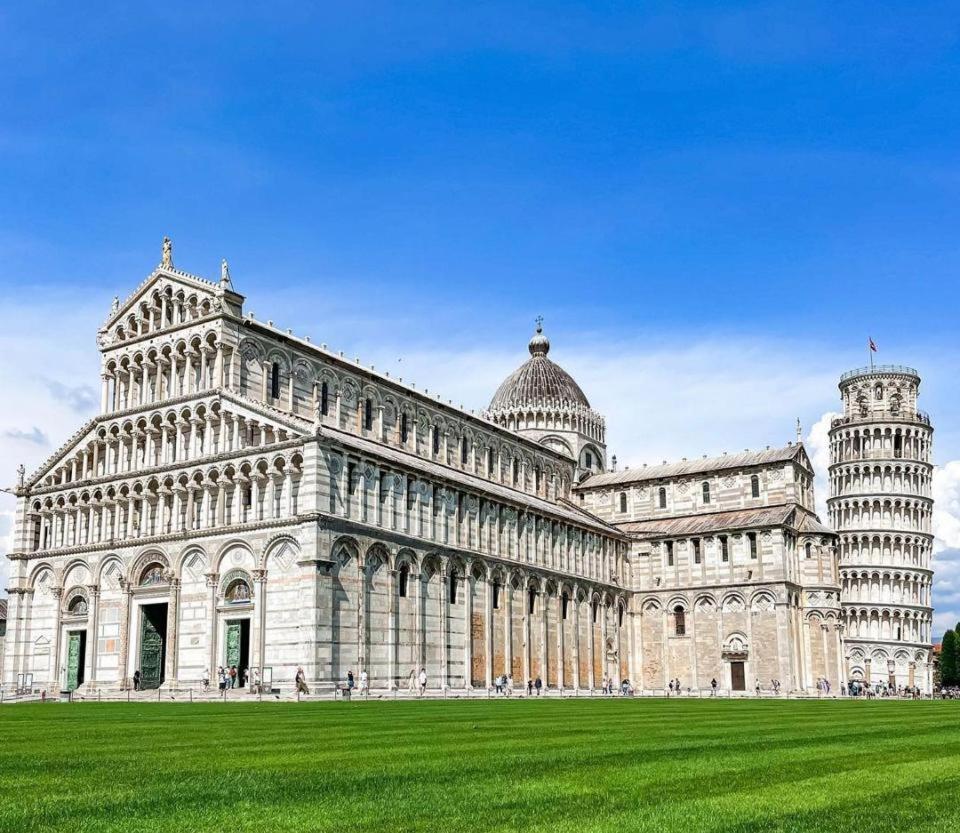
[248, 498]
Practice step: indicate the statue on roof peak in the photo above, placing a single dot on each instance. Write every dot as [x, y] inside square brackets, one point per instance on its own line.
[166, 261]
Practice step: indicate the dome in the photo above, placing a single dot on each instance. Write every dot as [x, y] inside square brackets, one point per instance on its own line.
[538, 382]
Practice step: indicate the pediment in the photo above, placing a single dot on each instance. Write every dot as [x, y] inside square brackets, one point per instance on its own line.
[187, 295]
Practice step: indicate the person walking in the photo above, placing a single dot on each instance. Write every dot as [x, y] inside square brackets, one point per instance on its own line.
[498, 684]
[423, 681]
[221, 678]
[670, 687]
[713, 687]
[350, 682]
[529, 688]
[301, 681]
[136, 680]
[757, 686]
[538, 685]
[364, 683]
[509, 685]
[233, 676]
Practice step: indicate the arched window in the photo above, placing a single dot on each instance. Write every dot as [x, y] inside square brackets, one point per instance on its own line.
[808, 549]
[679, 621]
[669, 546]
[237, 592]
[275, 380]
[516, 471]
[697, 553]
[404, 580]
[724, 549]
[404, 431]
[565, 604]
[436, 439]
[754, 486]
[662, 493]
[538, 476]
[367, 414]
[464, 451]
[588, 460]
[623, 502]
[490, 462]
[706, 492]
[152, 574]
[752, 539]
[496, 595]
[531, 600]
[324, 399]
[620, 615]
[453, 588]
[77, 606]
[878, 392]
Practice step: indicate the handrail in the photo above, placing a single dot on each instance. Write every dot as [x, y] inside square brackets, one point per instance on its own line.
[879, 368]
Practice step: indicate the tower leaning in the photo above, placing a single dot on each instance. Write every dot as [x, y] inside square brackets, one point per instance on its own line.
[881, 506]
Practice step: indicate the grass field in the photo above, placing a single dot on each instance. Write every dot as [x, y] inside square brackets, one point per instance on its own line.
[552, 765]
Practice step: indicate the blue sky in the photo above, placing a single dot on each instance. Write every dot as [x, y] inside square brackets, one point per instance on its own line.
[712, 205]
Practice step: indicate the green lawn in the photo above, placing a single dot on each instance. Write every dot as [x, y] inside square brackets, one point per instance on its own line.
[552, 765]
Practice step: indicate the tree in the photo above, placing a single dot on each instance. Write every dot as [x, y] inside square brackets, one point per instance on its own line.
[948, 660]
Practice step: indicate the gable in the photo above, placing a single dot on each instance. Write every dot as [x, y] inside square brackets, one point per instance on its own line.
[167, 298]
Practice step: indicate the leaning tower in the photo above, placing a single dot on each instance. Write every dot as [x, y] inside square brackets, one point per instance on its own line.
[881, 506]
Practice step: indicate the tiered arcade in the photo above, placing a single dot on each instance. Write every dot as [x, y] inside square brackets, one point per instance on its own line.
[881, 505]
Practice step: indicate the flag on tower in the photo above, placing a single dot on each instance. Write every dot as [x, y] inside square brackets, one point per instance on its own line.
[872, 345]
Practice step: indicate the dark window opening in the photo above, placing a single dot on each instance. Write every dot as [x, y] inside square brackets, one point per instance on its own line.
[490, 461]
[752, 538]
[564, 605]
[275, 380]
[620, 614]
[679, 622]
[403, 428]
[593, 611]
[663, 497]
[531, 601]
[755, 486]
[516, 472]
[368, 415]
[324, 399]
[404, 579]
[724, 549]
[464, 451]
[669, 546]
[696, 551]
[588, 460]
[808, 549]
[351, 478]
[496, 595]
[454, 585]
[706, 492]
[623, 502]
[436, 440]
[247, 497]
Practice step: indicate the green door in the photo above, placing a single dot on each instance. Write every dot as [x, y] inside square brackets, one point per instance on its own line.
[151, 653]
[74, 661]
[233, 644]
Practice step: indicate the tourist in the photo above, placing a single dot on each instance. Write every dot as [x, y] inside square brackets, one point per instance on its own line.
[206, 679]
[301, 681]
[136, 680]
[255, 680]
[670, 687]
[423, 681]
[221, 678]
[713, 687]
[412, 680]
[529, 688]
[499, 683]
[538, 685]
[676, 685]
[509, 685]
[757, 686]
[350, 682]
[233, 676]
[364, 683]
